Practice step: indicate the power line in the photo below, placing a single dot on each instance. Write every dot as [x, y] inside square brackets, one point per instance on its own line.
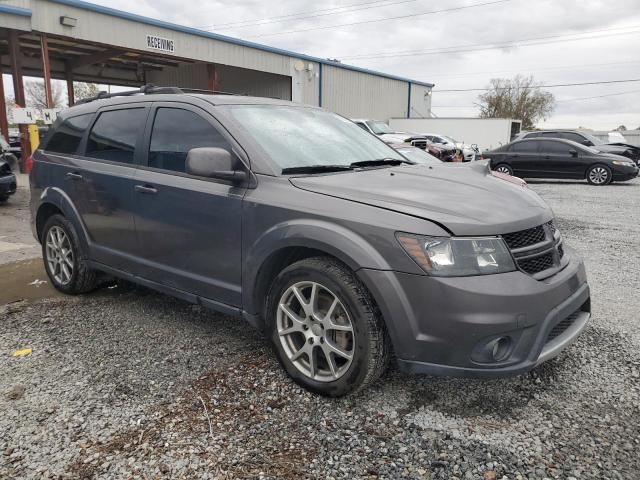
[310, 14]
[628, 92]
[492, 46]
[564, 67]
[453, 9]
[607, 82]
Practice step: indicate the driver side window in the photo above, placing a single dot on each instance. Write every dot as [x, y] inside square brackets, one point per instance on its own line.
[175, 132]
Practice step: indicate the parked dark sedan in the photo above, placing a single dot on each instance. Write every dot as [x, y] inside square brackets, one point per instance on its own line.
[556, 158]
[588, 140]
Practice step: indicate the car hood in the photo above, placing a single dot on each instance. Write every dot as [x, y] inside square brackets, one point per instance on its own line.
[466, 199]
[606, 148]
[399, 137]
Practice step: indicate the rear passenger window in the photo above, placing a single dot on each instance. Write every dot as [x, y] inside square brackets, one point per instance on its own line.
[68, 135]
[555, 147]
[114, 135]
[524, 147]
[175, 132]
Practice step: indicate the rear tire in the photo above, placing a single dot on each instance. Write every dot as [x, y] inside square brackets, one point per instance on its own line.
[4, 198]
[327, 332]
[599, 175]
[64, 260]
[503, 168]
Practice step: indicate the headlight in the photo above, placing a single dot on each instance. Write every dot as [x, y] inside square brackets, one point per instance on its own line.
[458, 257]
[626, 164]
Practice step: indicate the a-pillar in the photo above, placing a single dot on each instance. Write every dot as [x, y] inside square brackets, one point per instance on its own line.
[18, 89]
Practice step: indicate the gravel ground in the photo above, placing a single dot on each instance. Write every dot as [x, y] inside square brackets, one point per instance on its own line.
[127, 383]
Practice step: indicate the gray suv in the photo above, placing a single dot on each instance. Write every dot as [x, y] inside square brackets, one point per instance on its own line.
[314, 231]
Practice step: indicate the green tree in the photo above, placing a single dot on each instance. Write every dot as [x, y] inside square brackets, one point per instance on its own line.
[520, 98]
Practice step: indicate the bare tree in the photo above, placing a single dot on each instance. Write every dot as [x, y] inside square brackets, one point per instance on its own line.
[84, 90]
[36, 96]
[520, 98]
[621, 128]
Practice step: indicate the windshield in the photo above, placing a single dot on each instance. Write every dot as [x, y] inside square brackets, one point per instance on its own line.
[449, 139]
[419, 156]
[592, 139]
[379, 128]
[301, 137]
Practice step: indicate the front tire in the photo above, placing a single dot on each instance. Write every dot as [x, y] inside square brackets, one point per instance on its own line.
[64, 260]
[327, 332]
[599, 175]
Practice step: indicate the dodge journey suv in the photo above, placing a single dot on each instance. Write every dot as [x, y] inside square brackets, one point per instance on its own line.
[337, 247]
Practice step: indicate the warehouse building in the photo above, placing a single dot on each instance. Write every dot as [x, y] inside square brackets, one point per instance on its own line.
[74, 40]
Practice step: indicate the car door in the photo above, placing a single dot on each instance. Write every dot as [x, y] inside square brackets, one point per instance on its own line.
[103, 177]
[188, 227]
[560, 159]
[523, 158]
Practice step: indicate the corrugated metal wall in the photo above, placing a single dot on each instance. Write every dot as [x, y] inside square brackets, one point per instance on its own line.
[420, 101]
[355, 94]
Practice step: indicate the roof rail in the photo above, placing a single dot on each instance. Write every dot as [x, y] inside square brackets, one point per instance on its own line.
[151, 89]
[147, 89]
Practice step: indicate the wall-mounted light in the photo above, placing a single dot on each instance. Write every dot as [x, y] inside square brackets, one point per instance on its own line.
[68, 21]
[427, 93]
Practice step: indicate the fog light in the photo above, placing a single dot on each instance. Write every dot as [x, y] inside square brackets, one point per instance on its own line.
[500, 349]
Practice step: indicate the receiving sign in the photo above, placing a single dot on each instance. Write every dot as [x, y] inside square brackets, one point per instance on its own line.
[159, 43]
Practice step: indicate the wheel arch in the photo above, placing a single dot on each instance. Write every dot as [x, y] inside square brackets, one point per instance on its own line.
[55, 201]
[285, 244]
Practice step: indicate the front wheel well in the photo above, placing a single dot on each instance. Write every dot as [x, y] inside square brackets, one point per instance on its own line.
[273, 265]
[45, 212]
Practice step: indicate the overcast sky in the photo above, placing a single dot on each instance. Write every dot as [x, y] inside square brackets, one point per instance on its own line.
[593, 40]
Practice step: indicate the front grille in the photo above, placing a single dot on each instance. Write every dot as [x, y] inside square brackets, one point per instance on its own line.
[562, 326]
[419, 144]
[525, 238]
[537, 264]
[536, 249]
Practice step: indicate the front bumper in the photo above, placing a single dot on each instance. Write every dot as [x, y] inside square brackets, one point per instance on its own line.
[8, 185]
[442, 326]
[620, 173]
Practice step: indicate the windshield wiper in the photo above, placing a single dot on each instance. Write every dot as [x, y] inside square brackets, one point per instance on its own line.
[316, 169]
[380, 161]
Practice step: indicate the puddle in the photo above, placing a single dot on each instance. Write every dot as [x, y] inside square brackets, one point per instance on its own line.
[25, 280]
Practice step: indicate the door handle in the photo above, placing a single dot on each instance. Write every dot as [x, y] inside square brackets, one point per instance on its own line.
[73, 176]
[145, 189]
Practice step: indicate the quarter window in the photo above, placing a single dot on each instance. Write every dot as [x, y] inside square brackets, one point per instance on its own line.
[67, 137]
[175, 132]
[114, 135]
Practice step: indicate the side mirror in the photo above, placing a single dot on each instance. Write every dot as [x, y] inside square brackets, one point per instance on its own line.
[574, 153]
[213, 162]
[587, 143]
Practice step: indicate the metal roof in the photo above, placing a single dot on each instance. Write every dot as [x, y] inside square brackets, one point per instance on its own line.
[215, 36]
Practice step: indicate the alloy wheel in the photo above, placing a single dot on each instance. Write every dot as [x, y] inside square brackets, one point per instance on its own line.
[598, 175]
[59, 255]
[503, 169]
[315, 331]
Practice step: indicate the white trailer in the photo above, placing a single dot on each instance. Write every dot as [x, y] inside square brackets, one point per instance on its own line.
[486, 133]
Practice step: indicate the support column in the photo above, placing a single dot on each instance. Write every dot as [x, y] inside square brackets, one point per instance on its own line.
[4, 122]
[212, 78]
[68, 74]
[46, 69]
[18, 89]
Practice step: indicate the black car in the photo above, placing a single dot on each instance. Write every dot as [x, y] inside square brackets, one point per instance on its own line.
[556, 158]
[588, 140]
[7, 181]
